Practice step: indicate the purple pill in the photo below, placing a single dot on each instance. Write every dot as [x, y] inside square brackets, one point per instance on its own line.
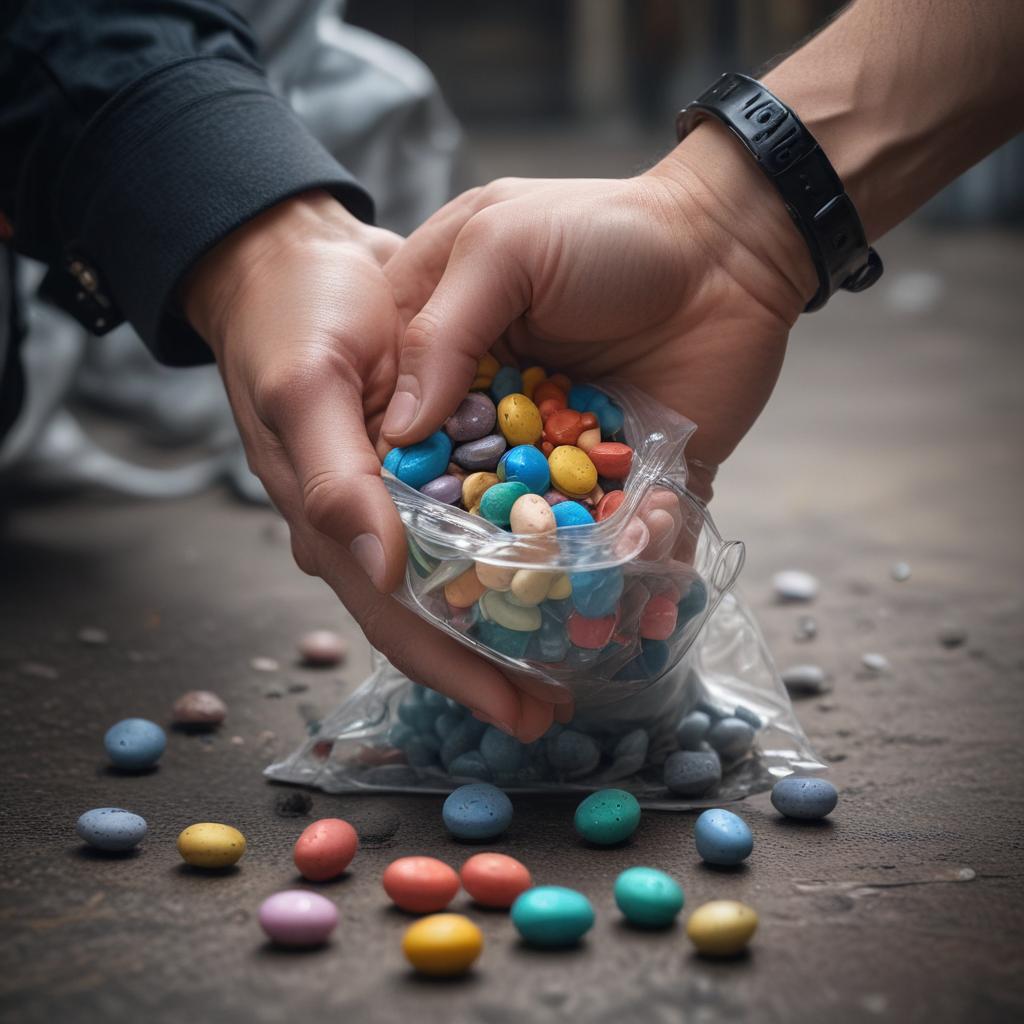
[297, 917]
[482, 454]
[444, 488]
[473, 419]
[554, 497]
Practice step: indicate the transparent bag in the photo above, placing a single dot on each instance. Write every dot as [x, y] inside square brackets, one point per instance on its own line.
[649, 635]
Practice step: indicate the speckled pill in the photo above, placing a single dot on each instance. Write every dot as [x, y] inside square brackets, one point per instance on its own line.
[525, 464]
[731, 737]
[529, 514]
[477, 811]
[572, 472]
[199, 709]
[474, 418]
[551, 916]
[418, 463]
[503, 753]
[481, 455]
[470, 766]
[722, 838]
[474, 487]
[607, 817]
[443, 945]
[549, 391]
[111, 828]
[597, 593]
[563, 426]
[487, 366]
[298, 918]
[325, 849]
[582, 396]
[461, 740]
[497, 501]
[647, 897]
[532, 376]
[519, 420]
[134, 744]
[692, 773]
[495, 607]
[211, 845]
[589, 439]
[511, 642]
[494, 879]
[807, 799]
[721, 927]
[446, 489]
[591, 634]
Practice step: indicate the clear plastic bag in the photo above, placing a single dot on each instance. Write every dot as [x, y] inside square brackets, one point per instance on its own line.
[648, 636]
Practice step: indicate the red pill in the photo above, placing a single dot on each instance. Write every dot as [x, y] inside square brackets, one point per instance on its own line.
[547, 447]
[547, 390]
[421, 885]
[609, 504]
[325, 849]
[658, 619]
[563, 427]
[494, 880]
[549, 406]
[591, 634]
[589, 420]
[612, 459]
[560, 380]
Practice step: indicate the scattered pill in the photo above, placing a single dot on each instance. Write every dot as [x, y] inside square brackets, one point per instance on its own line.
[93, 636]
[135, 744]
[805, 798]
[952, 636]
[209, 844]
[721, 927]
[607, 817]
[527, 465]
[552, 916]
[806, 628]
[793, 585]
[647, 897]
[199, 709]
[298, 918]
[494, 879]
[876, 663]
[805, 680]
[443, 945]
[111, 828]
[900, 572]
[722, 838]
[420, 885]
[262, 664]
[477, 811]
[325, 849]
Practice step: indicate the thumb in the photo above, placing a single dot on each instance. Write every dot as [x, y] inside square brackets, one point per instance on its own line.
[484, 288]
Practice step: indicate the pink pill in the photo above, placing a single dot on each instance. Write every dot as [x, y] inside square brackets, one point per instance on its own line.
[591, 634]
[658, 619]
[296, 917]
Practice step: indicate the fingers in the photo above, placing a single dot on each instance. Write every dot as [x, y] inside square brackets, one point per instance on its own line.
[483, 289]
[317, 414]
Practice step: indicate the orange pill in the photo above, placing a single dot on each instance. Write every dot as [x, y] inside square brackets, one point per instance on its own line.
[548, 389]
[421, 885]
[464, 590]
[547, 447]
[612, 459]
[589, 420]
[609, 504]
[560, 380]
[325, 849]
[494, 880]
[548, 406]
[563, 427]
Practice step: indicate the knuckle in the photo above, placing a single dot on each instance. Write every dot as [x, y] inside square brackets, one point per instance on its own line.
[421, 333]
[503, 188]
[323, 496]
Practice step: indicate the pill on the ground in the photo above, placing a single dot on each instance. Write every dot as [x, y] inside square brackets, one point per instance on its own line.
[497, 501]
[111, 828]
[732, 737]
[692, 773]
[323, 647]
[199, 709]
[481, 455]
[134, 744]
[474, 418]
[525, 464]
[418, 463]
[612, 459]
[325, 849]
[658, 619]
[447, 489]
[208, 844]
[477, 811]
[443, 945]
[573, 754]
[298, 918]
[572, 472]
[474, 487]
[552, 916]
[806, 798]
[876, 663]
[420, 885]
[494, 879]
[495, 606]
[647, 897]
[721, 927]
[607, 817]
[692, 730]
[465, 590]
[722, 837]
[531, 514]
[793, 585]
[805, 680]
[519, 420]
[570, 513]
[609, 505]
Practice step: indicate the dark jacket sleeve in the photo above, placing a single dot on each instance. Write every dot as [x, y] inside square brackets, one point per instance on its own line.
[134, 135]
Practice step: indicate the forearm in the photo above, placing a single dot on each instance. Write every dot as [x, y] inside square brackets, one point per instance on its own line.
[904, 96]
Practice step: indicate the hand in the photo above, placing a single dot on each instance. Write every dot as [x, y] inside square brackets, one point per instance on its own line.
[305, 329]
[684, 281]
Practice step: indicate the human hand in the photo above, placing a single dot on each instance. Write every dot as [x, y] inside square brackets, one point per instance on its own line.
[303, 322]
[684, 281]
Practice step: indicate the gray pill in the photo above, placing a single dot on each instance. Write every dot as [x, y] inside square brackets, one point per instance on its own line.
[731, 737]
[692, 773]
[480, 455]
[444, 488]
[692, 730]
[752, 718]
[473, 419]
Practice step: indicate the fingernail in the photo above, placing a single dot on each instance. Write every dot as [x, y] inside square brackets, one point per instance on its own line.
[401, 413]
[369, 553]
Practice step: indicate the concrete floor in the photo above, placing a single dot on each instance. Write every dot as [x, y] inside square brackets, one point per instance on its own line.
[894, 435]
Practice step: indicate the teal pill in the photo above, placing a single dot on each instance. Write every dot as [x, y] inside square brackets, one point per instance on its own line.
[583, 396]
[722, 837]
[609, 418]
[418, 464]
[607, 817]
[648, 897]
[525, 464]
[512, 642]
[552, 916]
[507, 381]
[497, 501]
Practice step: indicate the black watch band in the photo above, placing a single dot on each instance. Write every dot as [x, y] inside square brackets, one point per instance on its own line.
[796, 165]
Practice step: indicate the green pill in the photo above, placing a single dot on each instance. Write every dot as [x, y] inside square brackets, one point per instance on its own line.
[552, 916]
[497, 501]
[607, 817]
[648, 897]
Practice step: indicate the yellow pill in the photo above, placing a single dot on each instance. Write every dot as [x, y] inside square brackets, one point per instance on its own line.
[474, 485]
[442, 944]
[487, 366]
[589, 438]
[561, 588]
[519, 420]
[495, 577]
[532, 376]
[210, 845]
[531, 586]
[572, 472]
[481, 383]
[721, 927]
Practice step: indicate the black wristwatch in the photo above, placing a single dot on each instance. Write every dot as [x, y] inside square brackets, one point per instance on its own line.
[796, 165]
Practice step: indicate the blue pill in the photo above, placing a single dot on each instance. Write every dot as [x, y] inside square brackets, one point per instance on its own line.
[470, 766]
[573, 754]
[461, 740]
[692, 773]
[722, 837]
[692, 730]
[418, 464]
[477, 811]
[609, 417]
[446, 722]
[752, 718]
[503, 753]
[596, 594]
[400, 733]
[571, 513]
[525, 464]
[415, 713]
[111, 828]
[135, 743]
[692, 603]
[551, 640]
[421, 751]
[731, 737]
[507, 381]
[582, 397]
[807, 799]
[511, 642]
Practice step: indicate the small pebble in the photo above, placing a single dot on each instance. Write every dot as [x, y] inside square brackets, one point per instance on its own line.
[806, 628]
[494, 880]
[298, 918]
[421, 885]
[806, 798]
[111, 828]
[209, 844]
[323, 647]
[647, 897]
[293, 805]
[722, 838]
[325, 849]
[443, 945]
[952, 636]
[199, 709]
[876, 663]
[721, 927]
[805, 680]
[261, 664]
[477, 811]
[692, 773]
[607, 817]
[93, 636]
[134, 744]
[900, 572]
[793, 585]
[551, 916]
